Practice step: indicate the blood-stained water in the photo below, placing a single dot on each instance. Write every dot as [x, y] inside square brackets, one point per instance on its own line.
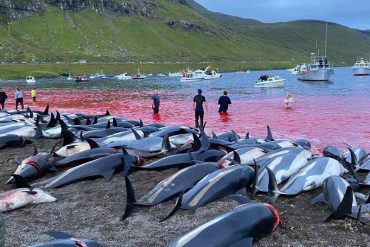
[326, 113]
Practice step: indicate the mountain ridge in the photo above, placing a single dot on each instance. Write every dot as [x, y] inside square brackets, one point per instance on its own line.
[160, 31]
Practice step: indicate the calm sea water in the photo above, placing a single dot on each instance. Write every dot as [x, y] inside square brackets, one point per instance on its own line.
[326, 113]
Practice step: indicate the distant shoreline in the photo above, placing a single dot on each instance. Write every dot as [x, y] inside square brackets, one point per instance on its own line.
[21, 71]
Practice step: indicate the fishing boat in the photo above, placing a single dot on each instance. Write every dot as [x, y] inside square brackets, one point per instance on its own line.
[81, 79]
[361, 67]
[270, 81]
[319, 69]
[30, 80]
[138, 76]
[123, 77]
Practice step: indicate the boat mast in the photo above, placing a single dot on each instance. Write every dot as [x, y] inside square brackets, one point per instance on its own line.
[326, 36]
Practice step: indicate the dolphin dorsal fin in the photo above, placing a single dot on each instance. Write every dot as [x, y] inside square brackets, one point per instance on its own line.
[46, 111]
[269, 134]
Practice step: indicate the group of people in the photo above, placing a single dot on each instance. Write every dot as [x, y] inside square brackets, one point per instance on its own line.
[18, 96]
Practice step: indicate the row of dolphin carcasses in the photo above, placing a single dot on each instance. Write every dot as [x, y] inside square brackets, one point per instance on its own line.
[213, 167]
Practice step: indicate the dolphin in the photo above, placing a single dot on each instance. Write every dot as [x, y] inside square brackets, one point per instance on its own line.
[215, 185]
[23, 196]
[13, 141]
[170, 187]
[65, 240]
[104, 166]
[309, 177]
[240, 227]
[242, 156]
[283, 166]
[36, 165]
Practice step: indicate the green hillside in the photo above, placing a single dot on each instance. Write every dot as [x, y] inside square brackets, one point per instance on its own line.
[176, 31]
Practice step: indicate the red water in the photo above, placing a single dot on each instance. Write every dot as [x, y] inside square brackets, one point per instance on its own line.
[324, 120]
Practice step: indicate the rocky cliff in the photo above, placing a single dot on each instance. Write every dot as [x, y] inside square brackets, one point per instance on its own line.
[11, 10]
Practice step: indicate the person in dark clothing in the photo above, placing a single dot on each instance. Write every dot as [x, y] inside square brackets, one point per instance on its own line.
[198, 101]
[224, 102]
[3, 97]
[156, 102]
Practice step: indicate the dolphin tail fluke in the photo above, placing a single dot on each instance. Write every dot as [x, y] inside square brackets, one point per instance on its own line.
[130, 199]
[175, 209]
[269, 134]
[46, 111]
[273, 190]
[344, 208]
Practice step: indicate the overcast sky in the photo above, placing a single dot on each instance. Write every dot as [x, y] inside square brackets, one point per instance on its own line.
[351, 13]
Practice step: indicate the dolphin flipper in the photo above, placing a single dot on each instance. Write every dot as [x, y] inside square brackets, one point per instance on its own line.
[317, 199]
[175, 209]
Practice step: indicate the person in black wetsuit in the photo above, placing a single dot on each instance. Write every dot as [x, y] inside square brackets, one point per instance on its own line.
[224, 102]
[156, 102]
[3, 97]
[198, 101]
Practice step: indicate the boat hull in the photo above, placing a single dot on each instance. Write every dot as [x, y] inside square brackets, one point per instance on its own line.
[278, 83]
[361, 71]
[315, 75]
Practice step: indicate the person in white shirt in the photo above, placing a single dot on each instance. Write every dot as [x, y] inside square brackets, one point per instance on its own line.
[18, 98]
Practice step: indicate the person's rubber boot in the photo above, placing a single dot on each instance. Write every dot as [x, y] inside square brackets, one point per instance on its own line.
[2, 231]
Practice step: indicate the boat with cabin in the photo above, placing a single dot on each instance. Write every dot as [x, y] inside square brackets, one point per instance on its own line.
[123, 77]
[30, 80]
[319, 68]
[361, 67]
[269, 81]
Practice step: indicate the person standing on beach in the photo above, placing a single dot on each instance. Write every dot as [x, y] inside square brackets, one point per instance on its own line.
[198, 101]
[224, 102]
[3, 97]
[156, 102]
[18, 98]
[33, 94]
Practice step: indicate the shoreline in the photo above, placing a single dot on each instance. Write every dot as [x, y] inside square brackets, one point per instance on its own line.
[20, 71]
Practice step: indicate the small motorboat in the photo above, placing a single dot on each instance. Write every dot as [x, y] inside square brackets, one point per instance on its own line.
[123, 77]
[81, 79]
[30, 80]
[270, 81]
[361, 67]
[70, 77]
[138, 76]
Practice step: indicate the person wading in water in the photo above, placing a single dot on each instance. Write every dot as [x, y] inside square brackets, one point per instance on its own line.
[198, 101]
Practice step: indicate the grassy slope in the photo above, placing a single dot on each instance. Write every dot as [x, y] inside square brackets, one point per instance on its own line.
[226, 42]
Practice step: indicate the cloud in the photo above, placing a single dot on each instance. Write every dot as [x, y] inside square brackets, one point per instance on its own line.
[349, 13]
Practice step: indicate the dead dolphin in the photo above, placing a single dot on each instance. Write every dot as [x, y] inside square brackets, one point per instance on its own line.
[13, 141]
[65, 240]
[239, 227]
[215, 185]
[36, 165]
[170, 187]
[104, 166]
[308, 178]
[23, 196]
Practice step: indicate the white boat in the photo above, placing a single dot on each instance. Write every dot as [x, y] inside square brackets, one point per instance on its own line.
[295, 70]
[176, 74]
[272, 81]
[70, 77]
[123, 77]
[361, 67]
[319, 69]
[138, 76]
[30, 80]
